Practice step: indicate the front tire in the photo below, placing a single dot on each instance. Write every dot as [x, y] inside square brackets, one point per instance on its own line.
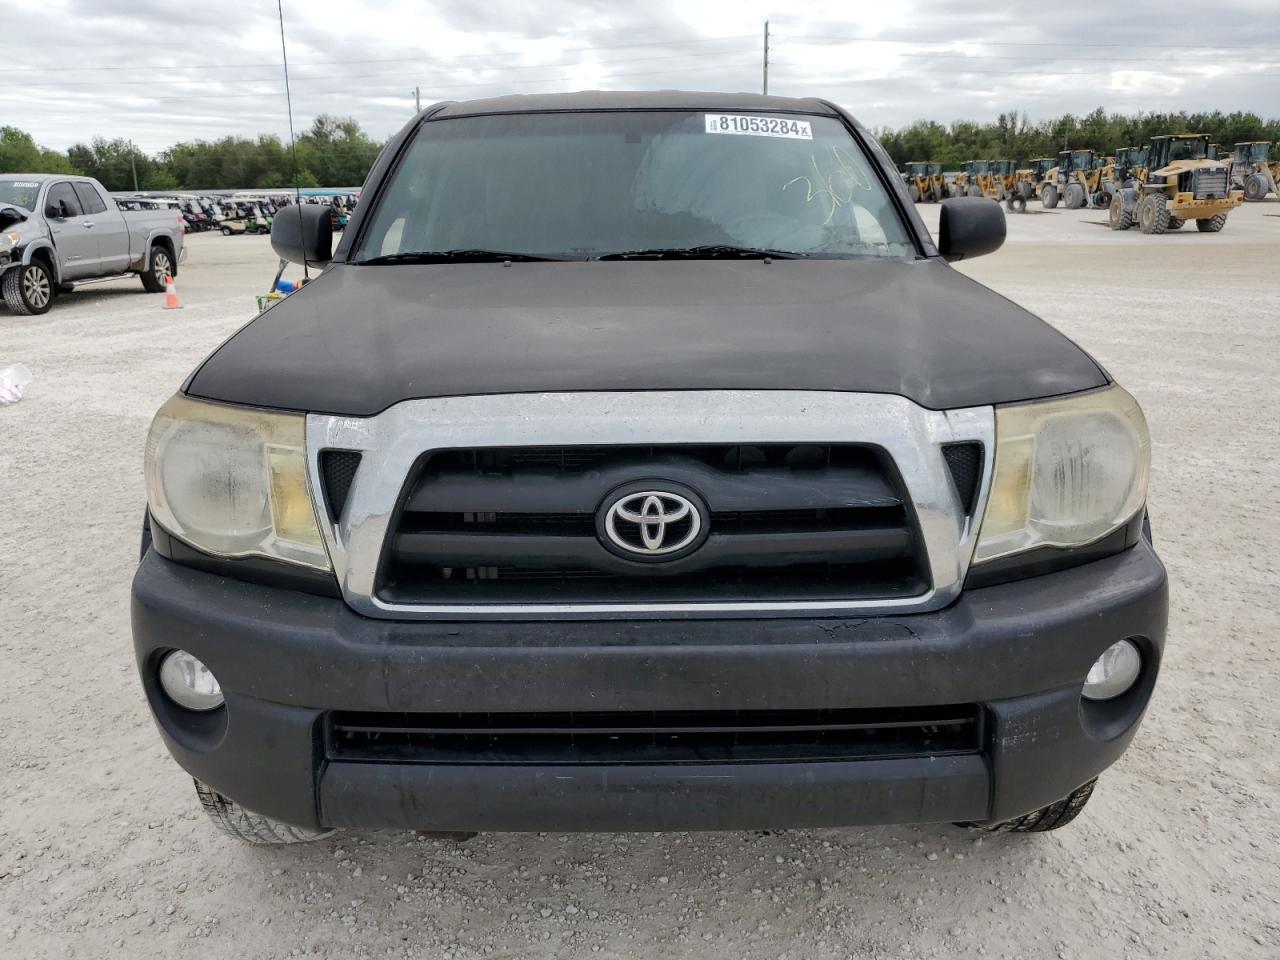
[1153, 213]
[1212, 224]
[1049, 197]
[1119, 217]
[1075, 196]
[1055, 815]
[248, 827]
[161, 268]
[28, 291]
[1255, 187]
[226, 231]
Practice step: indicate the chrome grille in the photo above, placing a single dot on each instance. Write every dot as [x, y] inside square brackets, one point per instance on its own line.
[785, 521]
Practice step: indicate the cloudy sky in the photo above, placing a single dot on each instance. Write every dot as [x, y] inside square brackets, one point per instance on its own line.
[159, 72]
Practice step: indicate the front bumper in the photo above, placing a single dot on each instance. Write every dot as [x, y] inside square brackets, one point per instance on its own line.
[287, 659]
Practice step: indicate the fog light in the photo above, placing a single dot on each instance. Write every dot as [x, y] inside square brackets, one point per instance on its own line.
[189, 683]
[1114, 672]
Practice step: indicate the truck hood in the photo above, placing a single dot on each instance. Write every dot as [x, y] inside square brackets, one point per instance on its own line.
[361, 338]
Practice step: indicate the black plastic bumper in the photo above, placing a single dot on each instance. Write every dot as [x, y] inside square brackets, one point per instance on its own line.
[285, 659]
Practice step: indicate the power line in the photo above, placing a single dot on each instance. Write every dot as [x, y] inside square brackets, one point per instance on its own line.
[423, 59]
[435, 86]
[1029, 43]
[354, 76]
[1023, 73]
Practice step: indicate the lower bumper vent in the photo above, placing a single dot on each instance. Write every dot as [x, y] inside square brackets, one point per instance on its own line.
[668, 737]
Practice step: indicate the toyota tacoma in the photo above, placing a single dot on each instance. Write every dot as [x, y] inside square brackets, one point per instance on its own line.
[637, 461]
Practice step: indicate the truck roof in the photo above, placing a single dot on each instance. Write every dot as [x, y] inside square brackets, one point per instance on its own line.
[42, 177]
[630, 100]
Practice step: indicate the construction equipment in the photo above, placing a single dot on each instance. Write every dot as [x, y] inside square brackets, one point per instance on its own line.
[1006, 176]
[925, 182]
[1253, 171]
[1080, 180]
[977, 178]
[1181, 184]
[1130, 163]
[1030, 178]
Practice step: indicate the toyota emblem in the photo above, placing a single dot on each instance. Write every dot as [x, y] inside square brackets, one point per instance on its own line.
[652, 524]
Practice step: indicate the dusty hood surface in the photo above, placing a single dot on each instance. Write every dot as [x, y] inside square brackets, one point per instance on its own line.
[361, 338]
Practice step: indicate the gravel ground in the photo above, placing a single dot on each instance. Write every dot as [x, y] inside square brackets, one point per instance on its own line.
[104, 852]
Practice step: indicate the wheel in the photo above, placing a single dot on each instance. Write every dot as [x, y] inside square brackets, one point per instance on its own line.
[914, 191]
[1055, 815]
[975, 190]
[1175, 223]
[1102, 200]
[1120, 218]
[235, 821]
[1016, 203]
[162, 267]
[1075, 196]
[226, 231]
[1049, 197]
[1025, 190]
[1212, 224]
[28, 290]
[1153, 213]
[1255, 187]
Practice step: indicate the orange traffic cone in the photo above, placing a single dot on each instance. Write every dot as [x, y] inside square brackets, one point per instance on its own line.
[171, 295]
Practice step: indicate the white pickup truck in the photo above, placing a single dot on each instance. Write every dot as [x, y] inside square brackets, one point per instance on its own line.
[57, 231]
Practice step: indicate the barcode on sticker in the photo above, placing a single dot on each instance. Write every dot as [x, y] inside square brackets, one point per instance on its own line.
[759, 126]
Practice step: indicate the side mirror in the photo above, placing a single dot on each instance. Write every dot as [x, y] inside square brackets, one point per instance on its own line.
[53, 211]
[303, 234]
[10, 215]
[970, 227]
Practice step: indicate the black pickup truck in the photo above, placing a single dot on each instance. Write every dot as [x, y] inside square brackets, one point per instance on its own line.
[638, 462]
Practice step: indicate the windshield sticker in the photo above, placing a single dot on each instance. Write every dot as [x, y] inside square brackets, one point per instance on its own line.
[23, 183]
[759, 126]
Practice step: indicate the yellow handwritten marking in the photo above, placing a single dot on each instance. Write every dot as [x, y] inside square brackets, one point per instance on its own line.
[837, 187]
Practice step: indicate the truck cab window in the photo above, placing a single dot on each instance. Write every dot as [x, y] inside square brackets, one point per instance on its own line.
[62, 196]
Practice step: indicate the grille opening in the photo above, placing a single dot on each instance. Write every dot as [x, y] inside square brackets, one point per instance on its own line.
[337, 472]
[964, 461]
[739, 457]
[655, 737]
[785, 522]
[481, 584]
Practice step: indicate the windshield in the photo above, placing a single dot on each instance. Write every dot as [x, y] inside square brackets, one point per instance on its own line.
[1192, 149]
[19, 193]
[590, 184]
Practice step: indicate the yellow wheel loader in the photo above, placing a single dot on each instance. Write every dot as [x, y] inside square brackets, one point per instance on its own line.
[1181, 184]
[1253, 171]
[1079, 181]
[1030, 178]
[925, 182]
[1129, 164]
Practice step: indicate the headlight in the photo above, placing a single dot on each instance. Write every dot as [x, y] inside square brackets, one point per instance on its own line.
[1067, 472]
[232, 481]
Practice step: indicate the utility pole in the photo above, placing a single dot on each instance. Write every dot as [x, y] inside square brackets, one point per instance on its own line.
[133, 165]
[766, 58]
[417, 99]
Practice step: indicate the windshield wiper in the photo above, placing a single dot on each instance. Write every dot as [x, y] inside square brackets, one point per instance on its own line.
[707, 251]
[458, 256]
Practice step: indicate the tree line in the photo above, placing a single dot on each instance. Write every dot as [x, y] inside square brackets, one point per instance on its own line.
[335, 152]
[1013, 137]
